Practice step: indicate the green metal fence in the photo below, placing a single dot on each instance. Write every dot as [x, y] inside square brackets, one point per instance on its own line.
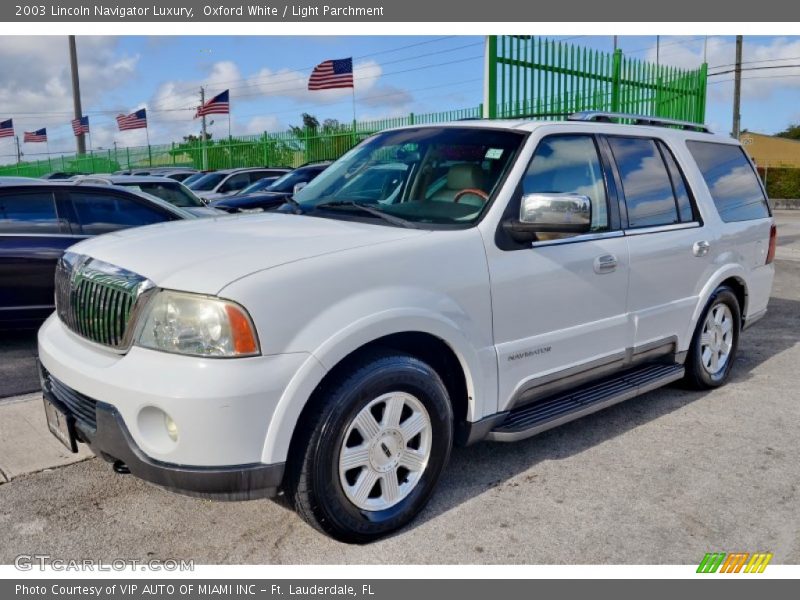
[268, 149]
[531, 76]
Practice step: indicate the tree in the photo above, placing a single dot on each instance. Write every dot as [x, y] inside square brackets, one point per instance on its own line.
[191, 138]
[310, 125]
[792, 132]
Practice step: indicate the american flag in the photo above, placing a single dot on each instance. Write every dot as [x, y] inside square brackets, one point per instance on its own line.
[332, 74]
[80, 126]
[6, 128]
[40, 135]
[136, 120]
[218, 105]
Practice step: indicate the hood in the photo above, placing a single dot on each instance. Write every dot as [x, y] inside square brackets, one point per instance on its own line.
[204, 255]
[210, 196]
[255, 198]
[204, 211]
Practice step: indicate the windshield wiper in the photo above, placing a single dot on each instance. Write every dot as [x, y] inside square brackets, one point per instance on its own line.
[373, 211]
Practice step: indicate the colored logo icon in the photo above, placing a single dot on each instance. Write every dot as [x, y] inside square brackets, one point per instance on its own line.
[737, 562]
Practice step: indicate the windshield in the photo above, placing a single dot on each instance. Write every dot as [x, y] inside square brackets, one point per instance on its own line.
[193, 177]
[174, 193]
[207, 182]
[257, 186]
[434, 175]
[286, 183]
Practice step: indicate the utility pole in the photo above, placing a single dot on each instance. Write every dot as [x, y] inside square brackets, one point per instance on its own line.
[615, 43]
[737, 89]
[76, 92]
[658, 50]
[203, 134]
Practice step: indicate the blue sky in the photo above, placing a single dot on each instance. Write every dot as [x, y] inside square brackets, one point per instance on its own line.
[267, 77]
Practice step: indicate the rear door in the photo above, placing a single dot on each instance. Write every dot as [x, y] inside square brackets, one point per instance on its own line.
[33, 236]
[667, 242]
[95, 212]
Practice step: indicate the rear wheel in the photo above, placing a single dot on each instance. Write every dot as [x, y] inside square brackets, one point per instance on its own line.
[715, 341]
[369, 458]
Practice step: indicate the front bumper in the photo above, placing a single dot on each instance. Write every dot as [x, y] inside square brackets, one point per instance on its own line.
[223, 409]
[109, 438]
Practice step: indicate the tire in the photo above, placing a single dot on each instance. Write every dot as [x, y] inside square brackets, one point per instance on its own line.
[391, 387]
[701, 375]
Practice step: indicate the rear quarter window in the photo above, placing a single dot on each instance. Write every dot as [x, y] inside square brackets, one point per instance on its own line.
[731, 180]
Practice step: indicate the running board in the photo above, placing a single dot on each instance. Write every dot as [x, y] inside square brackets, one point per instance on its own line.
[529, 420]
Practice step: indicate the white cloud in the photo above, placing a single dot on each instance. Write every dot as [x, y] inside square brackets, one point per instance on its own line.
[756, 84]
[35, 85]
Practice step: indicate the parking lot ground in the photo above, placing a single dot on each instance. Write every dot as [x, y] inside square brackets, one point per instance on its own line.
[661, 479]
[18, 363]
[26, 445]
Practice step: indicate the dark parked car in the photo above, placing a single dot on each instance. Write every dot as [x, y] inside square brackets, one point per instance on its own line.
[170, 190]
[229, 181]
[271, 196]
[176, 173]
[39, 220]
[60, 175]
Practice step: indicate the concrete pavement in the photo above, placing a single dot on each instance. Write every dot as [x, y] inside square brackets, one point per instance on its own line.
[26, 445]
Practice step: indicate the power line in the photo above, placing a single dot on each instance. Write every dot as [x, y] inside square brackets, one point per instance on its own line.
[755, 62]
[718, 81]
[764, 68]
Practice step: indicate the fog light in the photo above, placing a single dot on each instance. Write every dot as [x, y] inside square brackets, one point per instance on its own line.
[172, 427]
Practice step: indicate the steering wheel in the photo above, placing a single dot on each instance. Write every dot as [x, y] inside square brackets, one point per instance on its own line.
[474, 191]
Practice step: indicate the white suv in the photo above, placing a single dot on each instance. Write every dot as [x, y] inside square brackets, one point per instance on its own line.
[493, 280]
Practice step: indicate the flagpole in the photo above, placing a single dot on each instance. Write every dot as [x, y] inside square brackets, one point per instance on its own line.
[203, 131]
[149, 150]
[230, 139]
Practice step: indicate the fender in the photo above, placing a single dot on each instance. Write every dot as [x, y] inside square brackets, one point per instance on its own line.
[479, 367]
[726, 272]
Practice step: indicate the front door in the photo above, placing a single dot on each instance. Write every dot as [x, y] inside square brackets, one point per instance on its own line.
[559, 306]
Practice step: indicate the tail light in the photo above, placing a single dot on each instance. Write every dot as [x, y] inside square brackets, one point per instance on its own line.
[773, 239]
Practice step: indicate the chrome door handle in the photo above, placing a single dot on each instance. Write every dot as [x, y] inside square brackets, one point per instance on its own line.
[605, 264]
[701, 248]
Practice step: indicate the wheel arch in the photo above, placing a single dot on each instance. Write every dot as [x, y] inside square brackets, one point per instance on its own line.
[467, 374]
[733, 276]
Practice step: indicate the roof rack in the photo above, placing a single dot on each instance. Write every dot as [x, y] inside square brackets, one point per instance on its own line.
[609, 117]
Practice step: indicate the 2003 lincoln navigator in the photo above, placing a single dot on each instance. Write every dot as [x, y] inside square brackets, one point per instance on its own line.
[443, 284]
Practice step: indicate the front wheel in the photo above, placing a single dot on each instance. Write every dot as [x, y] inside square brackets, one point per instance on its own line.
[374, 450]
[715, 341]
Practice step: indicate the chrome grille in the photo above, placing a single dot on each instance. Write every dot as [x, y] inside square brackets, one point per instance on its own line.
[97, 300]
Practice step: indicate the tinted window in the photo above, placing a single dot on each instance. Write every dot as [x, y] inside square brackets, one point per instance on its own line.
[102, 213]
[286, 183]
[174, 193]
[678, 185]
[235, 182]
[645, 182]
[569, 164]
[731, 180]
[208, 182]
[28, 213]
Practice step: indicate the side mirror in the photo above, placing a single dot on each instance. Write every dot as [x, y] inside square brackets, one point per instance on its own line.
[299, 186]
[550, 213]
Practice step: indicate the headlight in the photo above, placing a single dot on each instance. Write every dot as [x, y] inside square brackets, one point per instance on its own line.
[198, 326]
